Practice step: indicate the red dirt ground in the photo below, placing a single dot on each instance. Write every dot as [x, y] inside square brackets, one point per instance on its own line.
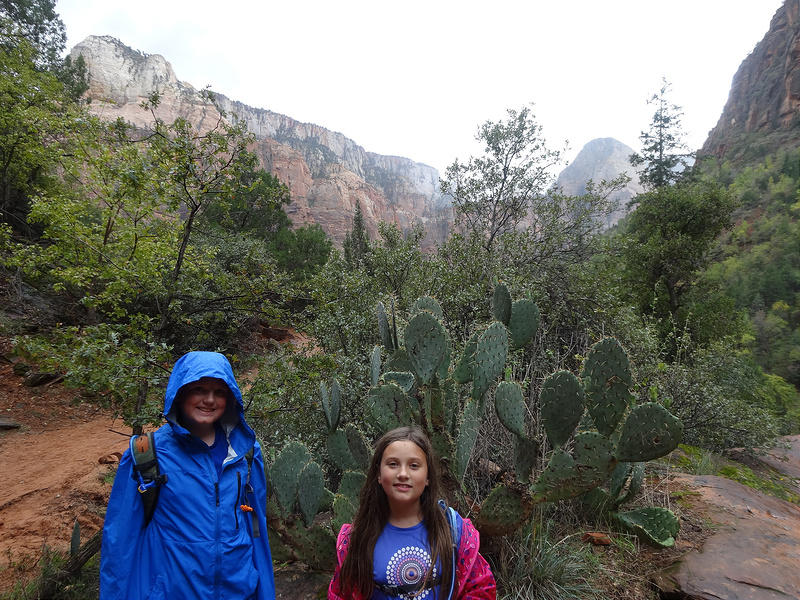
[51, 471]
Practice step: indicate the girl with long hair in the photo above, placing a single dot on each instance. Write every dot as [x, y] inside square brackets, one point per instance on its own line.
[401, 543]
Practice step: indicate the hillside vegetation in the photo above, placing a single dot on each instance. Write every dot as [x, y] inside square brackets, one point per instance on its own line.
[121, 248]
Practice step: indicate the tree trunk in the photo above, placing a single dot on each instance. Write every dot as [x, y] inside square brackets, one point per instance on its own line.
[46, 588]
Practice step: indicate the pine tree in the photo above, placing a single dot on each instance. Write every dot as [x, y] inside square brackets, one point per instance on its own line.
[664, 154]
[356, 242]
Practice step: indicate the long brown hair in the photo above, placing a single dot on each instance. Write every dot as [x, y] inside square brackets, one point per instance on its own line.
[373, 514]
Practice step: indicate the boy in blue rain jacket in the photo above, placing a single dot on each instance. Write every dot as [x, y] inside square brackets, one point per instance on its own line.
[200, 542]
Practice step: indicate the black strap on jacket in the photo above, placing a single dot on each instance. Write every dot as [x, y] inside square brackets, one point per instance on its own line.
[409, 589]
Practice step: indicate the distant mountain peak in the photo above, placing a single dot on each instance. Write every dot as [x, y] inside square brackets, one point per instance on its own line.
[601, 159]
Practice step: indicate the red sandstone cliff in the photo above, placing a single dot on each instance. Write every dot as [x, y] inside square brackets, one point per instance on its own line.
[326, 172]
[764, 101]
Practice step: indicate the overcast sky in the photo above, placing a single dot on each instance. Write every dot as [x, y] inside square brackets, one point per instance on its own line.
[416, 78]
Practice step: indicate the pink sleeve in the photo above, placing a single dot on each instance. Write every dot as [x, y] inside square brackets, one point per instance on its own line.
[342, 542]
[474, 578]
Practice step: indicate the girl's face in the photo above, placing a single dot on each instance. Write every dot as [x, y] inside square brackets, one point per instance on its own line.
[403, 475]
[204, 401]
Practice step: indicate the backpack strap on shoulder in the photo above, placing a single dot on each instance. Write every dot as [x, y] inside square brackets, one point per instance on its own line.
[146, 472]
[248, 489]
[455, 533]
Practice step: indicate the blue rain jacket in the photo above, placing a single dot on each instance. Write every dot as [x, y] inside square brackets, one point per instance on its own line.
[199, 543]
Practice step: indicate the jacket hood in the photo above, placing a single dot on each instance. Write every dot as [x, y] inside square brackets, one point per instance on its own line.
[194, 366]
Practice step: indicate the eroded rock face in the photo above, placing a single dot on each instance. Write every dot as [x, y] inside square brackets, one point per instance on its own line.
[327, 173]
[765, 93]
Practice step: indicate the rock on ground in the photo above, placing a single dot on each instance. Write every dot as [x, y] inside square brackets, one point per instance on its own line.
[754, 554]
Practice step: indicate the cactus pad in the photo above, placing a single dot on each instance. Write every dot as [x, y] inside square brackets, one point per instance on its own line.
[399, 362]
[285, 472]
[654, 524]
[331, 404]
[504, 511]
[566, 477]
[384, 329]
[501, 303]
[310, 489]
[490, 359]
[426, 344]
[523, 323]
[649, 432]
[316, 547]
[562, 406]
[358, 447]
[463, 371]
[429, 304]
[405, 381]
[607, 379]
[339, 450]
[510, 406]
[375, 366]
[525, 454]
[389, 406]
[467, 434]
[631, 474]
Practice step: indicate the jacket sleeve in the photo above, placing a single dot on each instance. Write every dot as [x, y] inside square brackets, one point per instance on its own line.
[262, 556]
[342, 541]
[123, 534]
[474, 578]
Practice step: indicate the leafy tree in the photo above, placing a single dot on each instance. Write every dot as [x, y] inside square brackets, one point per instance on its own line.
[255, 206]
[493, 193]
[664, 154]
[123, 246]
[302, 251]
[256, 210]
[38, 23]
[668, 240]
[34, 119]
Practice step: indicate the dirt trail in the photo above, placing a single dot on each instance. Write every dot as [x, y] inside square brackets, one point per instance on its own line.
[51, 471]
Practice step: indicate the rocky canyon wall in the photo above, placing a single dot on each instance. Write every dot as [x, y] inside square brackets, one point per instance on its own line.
[327, 173]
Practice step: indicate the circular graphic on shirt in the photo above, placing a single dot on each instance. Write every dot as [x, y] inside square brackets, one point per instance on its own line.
[408, 566]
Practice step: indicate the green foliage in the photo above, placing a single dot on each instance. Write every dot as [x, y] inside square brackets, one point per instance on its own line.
[667, 244]
[356, 242]
[664, 154]
[493, 193]
[535, 566]
[34, 113]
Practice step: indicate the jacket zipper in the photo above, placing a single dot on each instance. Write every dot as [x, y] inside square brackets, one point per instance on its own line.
[237, 499]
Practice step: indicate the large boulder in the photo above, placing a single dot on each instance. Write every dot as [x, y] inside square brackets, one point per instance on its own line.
[754, 554]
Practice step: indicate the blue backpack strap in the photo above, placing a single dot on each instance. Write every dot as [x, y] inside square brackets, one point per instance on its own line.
[453, 520]
[146, 472]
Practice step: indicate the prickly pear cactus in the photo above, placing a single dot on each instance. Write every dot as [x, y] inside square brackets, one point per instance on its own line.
[426, 344]
[387, 337]
[429, 304]
[653, 524]
[501, 303]
[597, 438]
[523, 323]
[607, 379]
[285, 472]
[649, 432]
[562, 404]
[489, 360]
[510, 406]
[310, 489]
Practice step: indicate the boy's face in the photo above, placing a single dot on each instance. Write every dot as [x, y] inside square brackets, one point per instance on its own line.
[204, 401]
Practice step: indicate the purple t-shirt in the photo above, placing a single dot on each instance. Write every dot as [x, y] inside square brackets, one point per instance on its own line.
[402, 556]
